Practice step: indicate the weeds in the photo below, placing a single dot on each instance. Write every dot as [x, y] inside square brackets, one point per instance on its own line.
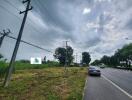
[45, 84]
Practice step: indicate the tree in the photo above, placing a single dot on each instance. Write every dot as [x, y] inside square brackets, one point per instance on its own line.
[44, 60]
[121, 55]
[126, 54]
[105, 60]
[61, 53]
[86, 58]
[1, 56]
[96, 62]
[23, 61]
[69, 55]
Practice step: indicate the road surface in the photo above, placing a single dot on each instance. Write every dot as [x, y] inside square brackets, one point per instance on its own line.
[114, 84]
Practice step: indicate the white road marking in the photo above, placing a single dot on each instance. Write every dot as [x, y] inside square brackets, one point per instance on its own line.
[126, 93]
[84, 88]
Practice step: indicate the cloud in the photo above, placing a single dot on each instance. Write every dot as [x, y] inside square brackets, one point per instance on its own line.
[86, 11]
[90, 25]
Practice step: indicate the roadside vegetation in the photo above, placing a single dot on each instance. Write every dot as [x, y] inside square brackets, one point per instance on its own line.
[23, 65]
[47, 81]
[45, 84]
[122, 57]
[3, 66]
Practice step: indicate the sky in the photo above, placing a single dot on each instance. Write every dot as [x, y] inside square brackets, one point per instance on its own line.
[96, 26]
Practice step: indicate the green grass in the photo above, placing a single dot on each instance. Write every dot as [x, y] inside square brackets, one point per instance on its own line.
[23, 66]
[45, 84]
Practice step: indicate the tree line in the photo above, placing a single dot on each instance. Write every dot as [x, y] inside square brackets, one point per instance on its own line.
[65, 56]
[122, 57]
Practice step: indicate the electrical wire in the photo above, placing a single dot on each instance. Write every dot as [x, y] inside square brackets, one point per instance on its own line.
[12, 5]
[10, 12]
[31, 22]
[28, 43]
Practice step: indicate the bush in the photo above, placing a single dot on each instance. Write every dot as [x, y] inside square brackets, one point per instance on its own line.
[3, 69]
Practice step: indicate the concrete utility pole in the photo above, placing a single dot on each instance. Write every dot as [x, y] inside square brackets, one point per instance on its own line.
[76, 57]
[66, 59]
[3, 36]
[11, 65]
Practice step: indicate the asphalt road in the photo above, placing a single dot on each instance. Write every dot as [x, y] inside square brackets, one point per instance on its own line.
[114, 84]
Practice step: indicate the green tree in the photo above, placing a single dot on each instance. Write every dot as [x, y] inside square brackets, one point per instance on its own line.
[24, 61]
[44, 60]
[121, 55]
[96, 62]
[126, 54]
[86, 58]
[61, 53]
[1, 56]
[105, 60]
[3, 67]
[69, 55]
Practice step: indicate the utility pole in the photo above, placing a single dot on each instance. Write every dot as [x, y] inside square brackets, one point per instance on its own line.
[66, 58]
[12, 62]
[3, 36]
[76, 57]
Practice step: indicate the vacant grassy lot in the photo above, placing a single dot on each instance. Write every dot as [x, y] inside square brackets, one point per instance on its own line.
[45, 84]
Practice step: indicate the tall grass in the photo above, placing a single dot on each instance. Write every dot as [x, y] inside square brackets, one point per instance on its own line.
[45, 84]
[22, 66]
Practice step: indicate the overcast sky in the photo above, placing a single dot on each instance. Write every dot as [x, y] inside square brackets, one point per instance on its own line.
[97, 26]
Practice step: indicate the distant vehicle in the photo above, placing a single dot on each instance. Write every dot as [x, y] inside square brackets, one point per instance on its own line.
[94, 71]
[102, 66]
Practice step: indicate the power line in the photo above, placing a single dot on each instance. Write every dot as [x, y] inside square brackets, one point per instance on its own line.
[11, 5]
[34, 45]
[20, 19]
[10, 12]
[31, 22]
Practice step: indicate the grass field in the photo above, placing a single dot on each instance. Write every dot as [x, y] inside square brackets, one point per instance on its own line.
[24, 66]
[45, 84]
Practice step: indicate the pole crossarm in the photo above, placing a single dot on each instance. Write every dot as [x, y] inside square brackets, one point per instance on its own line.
[5, 32]
[24, 1]
[31, 44]
[26, 10]
[3, 36]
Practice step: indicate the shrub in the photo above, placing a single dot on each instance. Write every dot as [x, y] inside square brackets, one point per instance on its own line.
[3, 69]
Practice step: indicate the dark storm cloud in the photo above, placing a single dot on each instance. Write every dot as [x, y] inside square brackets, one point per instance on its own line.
[50, 36]
[51, 14]
[53, 21]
